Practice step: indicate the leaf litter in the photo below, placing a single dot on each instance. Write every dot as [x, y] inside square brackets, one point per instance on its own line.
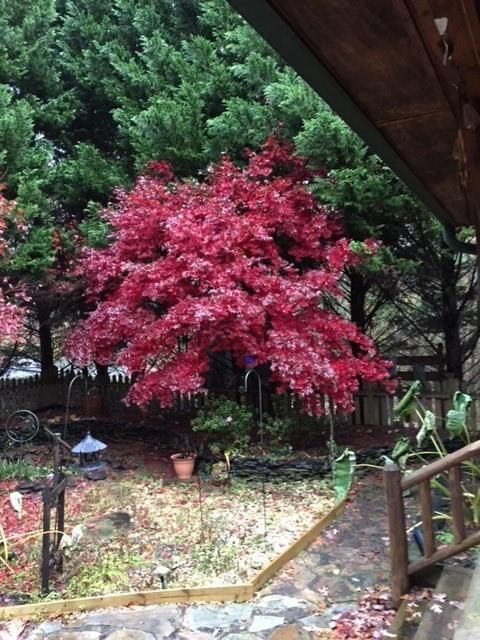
[133, 532]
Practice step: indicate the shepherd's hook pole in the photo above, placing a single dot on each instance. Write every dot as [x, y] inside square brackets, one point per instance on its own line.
[260, 421]
[69, 394]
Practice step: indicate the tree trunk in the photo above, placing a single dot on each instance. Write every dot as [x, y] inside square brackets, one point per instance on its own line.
[101, 377]
[451, 319]
[358, 294]
[101, 384]
[223, 377]
[48, 370]
[226, 378]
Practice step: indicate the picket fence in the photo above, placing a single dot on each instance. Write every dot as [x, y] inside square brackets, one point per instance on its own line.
[36, 395]
[373, 407]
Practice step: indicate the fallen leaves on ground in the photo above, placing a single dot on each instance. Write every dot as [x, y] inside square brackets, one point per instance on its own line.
[200, 533]
[20, 531]
[370, 619]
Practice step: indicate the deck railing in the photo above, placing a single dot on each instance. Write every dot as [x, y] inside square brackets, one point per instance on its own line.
[395, 486]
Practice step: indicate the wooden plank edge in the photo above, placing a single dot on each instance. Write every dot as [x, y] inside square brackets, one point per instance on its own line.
[395, 629]
[227, 593]
[298, 546]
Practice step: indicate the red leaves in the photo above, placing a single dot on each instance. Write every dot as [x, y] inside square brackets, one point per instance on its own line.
[245, 263]
[369, 620]
[11, 316]
[16, 530]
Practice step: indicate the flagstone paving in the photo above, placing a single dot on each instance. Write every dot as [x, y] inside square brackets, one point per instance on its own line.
[298, 604]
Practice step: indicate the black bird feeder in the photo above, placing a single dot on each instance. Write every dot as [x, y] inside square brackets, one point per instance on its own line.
[89, 450]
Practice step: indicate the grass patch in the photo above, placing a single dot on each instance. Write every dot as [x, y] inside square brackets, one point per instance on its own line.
[21, 470]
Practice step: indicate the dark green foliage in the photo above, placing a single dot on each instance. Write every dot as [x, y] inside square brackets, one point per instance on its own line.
[225, 424]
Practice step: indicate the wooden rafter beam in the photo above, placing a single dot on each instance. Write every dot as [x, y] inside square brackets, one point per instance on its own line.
[383, 66]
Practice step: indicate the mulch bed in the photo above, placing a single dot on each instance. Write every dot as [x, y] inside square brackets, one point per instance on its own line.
[131, 529]
[163, 526]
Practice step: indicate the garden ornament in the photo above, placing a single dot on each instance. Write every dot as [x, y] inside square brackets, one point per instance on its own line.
[88, 450]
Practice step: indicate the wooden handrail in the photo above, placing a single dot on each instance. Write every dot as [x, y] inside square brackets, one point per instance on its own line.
[444, 552]
[394, 489]
[441, 465]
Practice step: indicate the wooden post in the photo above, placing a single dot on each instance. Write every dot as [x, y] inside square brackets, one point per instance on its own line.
[56, 460]
[60, 524]
[397, 534]
[427, 523]
[456, 505]
[45, 568]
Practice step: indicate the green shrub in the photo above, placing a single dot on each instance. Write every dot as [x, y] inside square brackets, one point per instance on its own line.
[215, 557]
[107, 574]
[279, 431]
[430, 446]
[225, 424]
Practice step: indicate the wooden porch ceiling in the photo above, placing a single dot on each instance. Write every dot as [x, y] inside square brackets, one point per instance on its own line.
[410, 89]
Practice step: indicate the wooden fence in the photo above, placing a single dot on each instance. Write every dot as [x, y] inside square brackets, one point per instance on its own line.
[373, 406]
[35, 395]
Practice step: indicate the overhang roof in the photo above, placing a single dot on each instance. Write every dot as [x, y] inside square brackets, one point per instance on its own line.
[410, 89]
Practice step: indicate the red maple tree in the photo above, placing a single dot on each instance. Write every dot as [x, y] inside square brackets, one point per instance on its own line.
[11, 315]
[243, 262]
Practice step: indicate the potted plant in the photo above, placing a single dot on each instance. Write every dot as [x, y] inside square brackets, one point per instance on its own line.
[184, 462]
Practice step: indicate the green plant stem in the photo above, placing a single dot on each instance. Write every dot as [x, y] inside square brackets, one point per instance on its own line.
[421, 454]
[4, 543]
[33, 534]
[440, 487]
[419, 415]
[442, 452]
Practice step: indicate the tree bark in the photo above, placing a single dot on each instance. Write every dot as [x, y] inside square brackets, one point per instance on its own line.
[223, 377]
[101, 384]
[451, 318]
[48, 370]
[101, 377]
[358, 294]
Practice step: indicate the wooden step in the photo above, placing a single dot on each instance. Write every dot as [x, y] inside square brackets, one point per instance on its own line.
[403, 626]
[469, 627]
[442, 617]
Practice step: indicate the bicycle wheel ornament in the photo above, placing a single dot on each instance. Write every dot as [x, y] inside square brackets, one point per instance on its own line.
[22, 426]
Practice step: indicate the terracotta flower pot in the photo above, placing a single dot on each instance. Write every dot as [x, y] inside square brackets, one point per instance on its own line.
[183, 465]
